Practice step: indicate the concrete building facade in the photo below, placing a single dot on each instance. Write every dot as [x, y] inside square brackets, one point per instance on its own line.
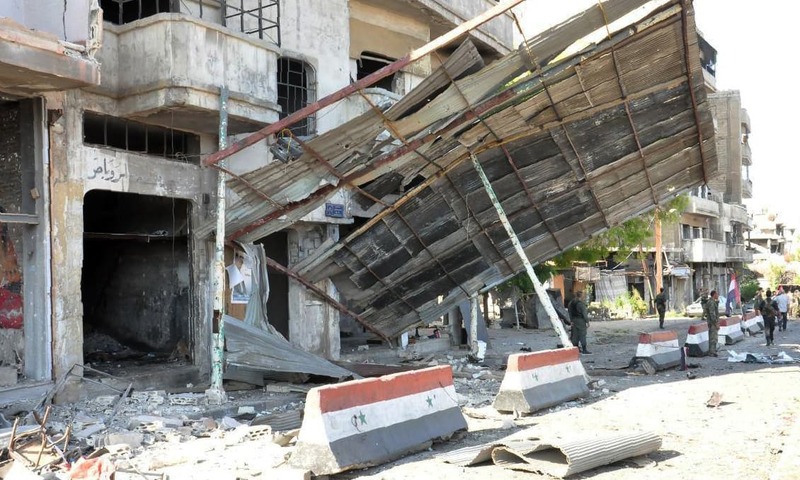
[108, 107]
[710, 241]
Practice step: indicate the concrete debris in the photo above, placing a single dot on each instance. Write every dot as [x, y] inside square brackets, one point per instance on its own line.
[715, 400]
[192, 399]
[131, 439]
[8, 376]
[747, 357]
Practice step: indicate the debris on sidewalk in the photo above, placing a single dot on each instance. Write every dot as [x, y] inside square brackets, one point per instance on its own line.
[749, 357]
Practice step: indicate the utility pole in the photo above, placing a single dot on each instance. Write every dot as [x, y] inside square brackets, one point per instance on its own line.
[659, 267]
[216, 394]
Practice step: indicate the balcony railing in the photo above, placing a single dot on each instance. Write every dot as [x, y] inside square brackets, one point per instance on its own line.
[704, 250]
[703, 206]
[739, 253]
[747, 155]
[747, 188]
[180, 87]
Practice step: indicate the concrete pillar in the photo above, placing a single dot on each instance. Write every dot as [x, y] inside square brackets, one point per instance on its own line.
[66, 213]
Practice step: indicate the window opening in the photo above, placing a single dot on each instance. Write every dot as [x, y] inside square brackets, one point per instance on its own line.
[370, 63]
[139, 137]
[296, 89]
[120, 12]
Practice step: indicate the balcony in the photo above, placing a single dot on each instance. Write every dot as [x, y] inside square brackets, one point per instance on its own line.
[738, 214]
[747, 155]
[703, 206]
[738, 253]
[745, 121]
[35, 61]
[167, 70]
[747, 188]
[704, 250]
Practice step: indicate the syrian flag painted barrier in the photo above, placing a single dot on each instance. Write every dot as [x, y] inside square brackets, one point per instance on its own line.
[731, 330]
[697, 340]
[752, 323]
[372, 421]
[538, 380]
[660, 348]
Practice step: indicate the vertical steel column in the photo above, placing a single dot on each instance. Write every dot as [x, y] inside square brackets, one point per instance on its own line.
[216, 394]
[542, 294]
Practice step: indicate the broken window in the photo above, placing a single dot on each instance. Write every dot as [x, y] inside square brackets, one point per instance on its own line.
[140, 138]
[120, 12]
[370, 63]
[296, 89]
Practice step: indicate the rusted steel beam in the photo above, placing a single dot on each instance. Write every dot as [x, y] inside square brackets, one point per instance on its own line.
[332, 301]
[689, 75]
[378, 163]
[365, 82]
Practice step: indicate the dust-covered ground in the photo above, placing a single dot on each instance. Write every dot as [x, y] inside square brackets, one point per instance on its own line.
[753, 434]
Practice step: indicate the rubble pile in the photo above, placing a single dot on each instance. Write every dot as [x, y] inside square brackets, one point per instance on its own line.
[151, 431]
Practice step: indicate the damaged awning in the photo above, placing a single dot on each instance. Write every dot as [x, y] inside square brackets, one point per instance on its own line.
[572, 144]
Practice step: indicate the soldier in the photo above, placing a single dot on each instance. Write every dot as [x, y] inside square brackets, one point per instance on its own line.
[711, 314]
[579, 315]
[661, 307]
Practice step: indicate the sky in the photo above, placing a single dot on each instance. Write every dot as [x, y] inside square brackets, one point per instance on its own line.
[755, 42]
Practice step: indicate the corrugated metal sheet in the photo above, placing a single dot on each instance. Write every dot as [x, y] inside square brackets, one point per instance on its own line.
[565, 458]
[572, 146]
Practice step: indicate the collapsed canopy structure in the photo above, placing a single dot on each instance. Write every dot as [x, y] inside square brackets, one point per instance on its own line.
[572, 143]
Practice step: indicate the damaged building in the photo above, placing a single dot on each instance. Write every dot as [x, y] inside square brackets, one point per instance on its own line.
[358, 182]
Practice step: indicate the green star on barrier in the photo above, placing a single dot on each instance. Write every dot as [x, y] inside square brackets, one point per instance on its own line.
[430, 401]
[535, 376]
[362, 417]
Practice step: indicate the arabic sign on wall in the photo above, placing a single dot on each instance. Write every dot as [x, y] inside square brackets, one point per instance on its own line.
[107, 172]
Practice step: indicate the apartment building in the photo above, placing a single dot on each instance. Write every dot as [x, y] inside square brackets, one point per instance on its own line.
[108, 107]
[710, 241]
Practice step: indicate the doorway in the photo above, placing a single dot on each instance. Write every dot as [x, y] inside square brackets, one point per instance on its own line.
[135, 279]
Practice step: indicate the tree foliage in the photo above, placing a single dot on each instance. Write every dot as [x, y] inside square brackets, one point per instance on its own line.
[618, 241]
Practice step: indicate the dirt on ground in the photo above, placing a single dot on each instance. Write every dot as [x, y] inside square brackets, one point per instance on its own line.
[753, 433]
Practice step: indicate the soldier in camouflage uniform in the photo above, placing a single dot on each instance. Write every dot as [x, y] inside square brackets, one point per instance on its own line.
[579, 315]
[711, 314]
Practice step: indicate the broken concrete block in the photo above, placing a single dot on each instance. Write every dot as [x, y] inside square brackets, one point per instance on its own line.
[131, 439]
[246, 409]
[190, 399]
[228, 423]
[150, 397]
[8, 376]
[105, 400]
[90, 430]
[152, 423]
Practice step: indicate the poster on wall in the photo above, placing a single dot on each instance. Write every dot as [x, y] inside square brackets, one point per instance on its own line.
[240, 276]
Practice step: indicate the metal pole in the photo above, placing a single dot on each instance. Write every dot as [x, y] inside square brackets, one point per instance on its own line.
[216, 394]
[543, 297]
[365, 82]
[473, 325]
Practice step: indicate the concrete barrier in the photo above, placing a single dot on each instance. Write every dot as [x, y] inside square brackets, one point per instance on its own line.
[697, 340]
[731, 330]
[538, 380]
[372, 421]
[661, 348]
[752, 323]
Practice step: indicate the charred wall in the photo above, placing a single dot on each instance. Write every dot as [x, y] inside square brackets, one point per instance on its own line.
[135, 280]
